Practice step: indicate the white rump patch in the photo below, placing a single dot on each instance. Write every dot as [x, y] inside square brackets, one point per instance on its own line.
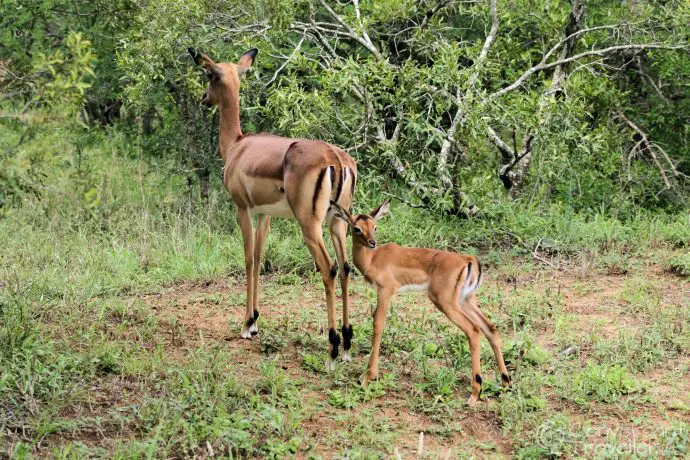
[413, 287]
[468, 287]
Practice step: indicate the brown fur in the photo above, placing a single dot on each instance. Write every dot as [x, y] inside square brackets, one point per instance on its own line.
[390, 267]
[269, 176]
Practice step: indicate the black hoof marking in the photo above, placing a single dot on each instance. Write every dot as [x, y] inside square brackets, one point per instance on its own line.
[478, 379]
[347, 336]
[256, 315]
[505, 378]
[346, 269]
[334, 270]
[250, 321]
[334, 339]
[254, 333]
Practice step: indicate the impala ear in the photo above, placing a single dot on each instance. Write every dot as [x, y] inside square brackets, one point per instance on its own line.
[341, 213]
[195, 55]
[247, 59]
[210, 68]
[381, 211]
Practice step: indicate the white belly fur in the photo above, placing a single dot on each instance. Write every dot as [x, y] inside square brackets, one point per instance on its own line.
[413, 287]
[278, 209]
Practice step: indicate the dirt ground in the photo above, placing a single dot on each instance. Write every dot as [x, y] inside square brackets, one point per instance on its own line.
[211, 314]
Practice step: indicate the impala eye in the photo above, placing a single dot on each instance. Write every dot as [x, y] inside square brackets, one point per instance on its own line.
[375, 227]
[357, 230]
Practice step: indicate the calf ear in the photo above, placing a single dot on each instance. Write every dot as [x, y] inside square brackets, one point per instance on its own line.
[339, 212]
[381, 211]
[195, 55]
[209, 67]
[247, 59]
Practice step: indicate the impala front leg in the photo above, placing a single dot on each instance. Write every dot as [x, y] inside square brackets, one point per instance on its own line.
[262, 228]
[245, 220]
[382, 303]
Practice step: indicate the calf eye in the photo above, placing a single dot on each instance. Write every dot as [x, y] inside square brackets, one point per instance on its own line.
[357, 230]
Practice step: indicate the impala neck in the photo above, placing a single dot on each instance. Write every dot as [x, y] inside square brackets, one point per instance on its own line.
[361, 255]
[230, 131]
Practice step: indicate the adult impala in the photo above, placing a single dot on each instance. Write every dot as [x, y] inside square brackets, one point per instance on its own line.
[449, 279]
[269, 176]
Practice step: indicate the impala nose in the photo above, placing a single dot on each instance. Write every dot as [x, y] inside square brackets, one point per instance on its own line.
[372, 243]
[205, 101]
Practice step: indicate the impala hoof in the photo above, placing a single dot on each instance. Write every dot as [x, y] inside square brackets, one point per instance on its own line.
[473, 401]
[246, 334]
[364, 380]
[330, 365]
[254, 329]
[346, 356]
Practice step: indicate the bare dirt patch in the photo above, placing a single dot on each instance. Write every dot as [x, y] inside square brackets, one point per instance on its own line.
[213, 313]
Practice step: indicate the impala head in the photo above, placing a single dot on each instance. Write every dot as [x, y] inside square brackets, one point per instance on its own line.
[222, 76]
[363, 225]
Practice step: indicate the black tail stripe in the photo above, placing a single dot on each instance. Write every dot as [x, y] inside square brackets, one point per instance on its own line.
[340, 183]
[352, 185]
[479, 265]
[317, 189]
[332, 168]
[469, 270]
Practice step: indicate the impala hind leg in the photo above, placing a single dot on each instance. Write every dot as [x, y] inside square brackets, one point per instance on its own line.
[313, 237]
[262, 227]
[471, 306]
[471, 330]
[245, 220]
[338, 235]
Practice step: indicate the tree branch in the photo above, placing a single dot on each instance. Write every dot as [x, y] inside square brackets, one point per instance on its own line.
[284, 64]
[645, 145]
[363, 39]
[600, 52]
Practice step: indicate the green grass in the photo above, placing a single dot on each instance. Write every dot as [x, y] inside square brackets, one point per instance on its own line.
[121, 299]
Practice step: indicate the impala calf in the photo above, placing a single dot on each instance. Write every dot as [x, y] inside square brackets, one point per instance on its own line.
[450, 280]
[269, 176]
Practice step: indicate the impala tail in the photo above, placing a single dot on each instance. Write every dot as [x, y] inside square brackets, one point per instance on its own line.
[472, 279]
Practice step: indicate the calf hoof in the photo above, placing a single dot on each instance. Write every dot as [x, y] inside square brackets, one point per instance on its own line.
[473, 400]
[330, 365]
[365, 378]
[346, 356]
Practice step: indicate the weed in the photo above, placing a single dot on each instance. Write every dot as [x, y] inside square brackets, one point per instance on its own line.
[597, 383]
[679, 265]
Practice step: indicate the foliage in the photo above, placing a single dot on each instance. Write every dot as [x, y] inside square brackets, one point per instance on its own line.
[121, 289]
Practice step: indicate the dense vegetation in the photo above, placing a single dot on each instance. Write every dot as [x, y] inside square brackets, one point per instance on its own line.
[549, 136]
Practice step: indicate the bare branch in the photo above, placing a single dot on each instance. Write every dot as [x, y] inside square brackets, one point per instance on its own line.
[645, 145]
[350, 32]
[284, 64]
[458, 118]
[506, 152]
[600, 52]
[430, 13]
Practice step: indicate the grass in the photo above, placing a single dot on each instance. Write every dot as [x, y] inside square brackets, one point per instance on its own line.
[121, 301]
